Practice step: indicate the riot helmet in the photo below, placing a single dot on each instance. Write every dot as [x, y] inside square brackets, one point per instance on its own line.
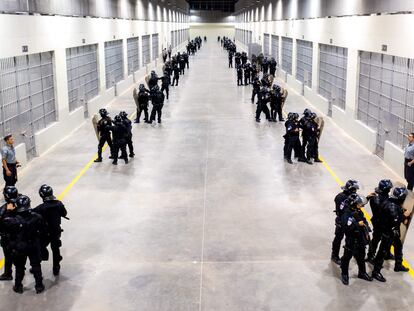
[399, 193]
[10, 194]
[46, 192]
[351, 186]
[117, 119]
[384, 186]
[357, 200]
[103, 112]
[22, 204]
[123, 114]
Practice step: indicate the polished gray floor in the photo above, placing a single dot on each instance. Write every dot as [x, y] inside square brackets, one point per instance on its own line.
[208, 216]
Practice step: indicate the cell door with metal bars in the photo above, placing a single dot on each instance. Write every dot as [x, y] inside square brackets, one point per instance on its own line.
[114, 63]
[304, 62]
[385, 97]
[275, 48]
[266, 44]
[82, 73]
[133, 55]
[287, 50]
[154, 46]
[332, 75]
[146, 52]
[27, 97]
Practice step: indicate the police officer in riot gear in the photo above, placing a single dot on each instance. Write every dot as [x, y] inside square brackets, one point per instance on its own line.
[128, 125]
[176, 75]
[356, 230]
[239, 71]
[247, 74]
[119, 133]
[305, 134]
[143, 99]
[272, 66]
[276, 103]
[377, 202]
[7, 210]
[165, 84]
[392, 215]
[157, 98]
[25, 229]
[153, 80]
[350, 187]
[104, 133]
[263, 99]
[52, 210]
[256, 88]
[292, 140]
[312, 133]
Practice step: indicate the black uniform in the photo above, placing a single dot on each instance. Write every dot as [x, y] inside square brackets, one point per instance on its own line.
[143, 99]
[377, 204]
[356, 240]
[311, 132]
[186, 59]
[392, 215]
[52, 211]
[256, 88]
[263, 99]
[276, 105]
[128, 126]
[119, 133]
[292, 141]
[239, 75]
[152, 81]
[25, 230]
[181, 61]
[176, 72]
[265, 66]
[272, 67]
[5, 242]
[157, 98]
[230, 60]
[165, 84]
[340, 208]
[105, 135]
[247, 74]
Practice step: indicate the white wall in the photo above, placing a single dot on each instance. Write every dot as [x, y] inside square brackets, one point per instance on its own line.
[56, 33]
[212, 30]
[367, 33]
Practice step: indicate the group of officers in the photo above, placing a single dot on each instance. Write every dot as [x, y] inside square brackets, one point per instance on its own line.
[270, 101]
[117, 133]
[387, 216]
[26, 233]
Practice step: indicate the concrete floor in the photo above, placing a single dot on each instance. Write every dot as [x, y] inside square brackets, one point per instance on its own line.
[208, 216]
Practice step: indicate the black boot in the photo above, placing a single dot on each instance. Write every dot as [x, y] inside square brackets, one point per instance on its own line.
[56, 270]
[98, 160]
[336, 260]
[345, 279]
[131, 155]
[400, 268]
[378, 276]
[115, 162]
[364, 276]
[6, 277]
[289, 161]
[39, 288]
[18, 289]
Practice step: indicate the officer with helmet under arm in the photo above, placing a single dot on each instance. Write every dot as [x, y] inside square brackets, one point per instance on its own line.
[52, 210]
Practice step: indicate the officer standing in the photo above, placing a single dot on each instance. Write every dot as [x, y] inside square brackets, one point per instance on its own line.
[256, 88]
[392, 216]
[409, 162]
[153, 80]
[186, 59]
[230, 59]
[143, 99]
[276, 104]
[356, 230]
[176, 73]
[292, 140]
[119, 133]
[263, 99]
[272, 66]
[25, 230]
[157, 98]
[104, 133]
[7, 210]
[239, 71]
[9, 161]
[181, 61]
[350, 187]
[312, 150]
[52, 210]
[165, 83]
[247, 73]
[377, 202]
[128, 125]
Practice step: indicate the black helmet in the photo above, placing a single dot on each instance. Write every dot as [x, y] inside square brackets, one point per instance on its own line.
[295, 116]
[351, 186]
[117, 119]
[103, 112]
[22, 204]
[399, 193]
[10, 194]
[46, 192]
[356, 199]
[153, 72]
[307, 112]
[384, 186]
[123, 114]
[142, 87]
[313, 116]
[155, 88]
[291, 116]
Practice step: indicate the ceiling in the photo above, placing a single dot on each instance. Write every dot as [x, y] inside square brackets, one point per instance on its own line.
[212, 5]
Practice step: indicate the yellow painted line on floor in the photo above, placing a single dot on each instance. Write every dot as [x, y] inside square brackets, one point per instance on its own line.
[75, 180]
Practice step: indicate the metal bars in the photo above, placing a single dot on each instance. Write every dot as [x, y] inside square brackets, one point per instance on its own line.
[146, 52]
[82, 73]
[266, 44]
[332, 74]
[287, 50]
[133, 55]
[114, 62]
[304, 62]
[275, 47]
